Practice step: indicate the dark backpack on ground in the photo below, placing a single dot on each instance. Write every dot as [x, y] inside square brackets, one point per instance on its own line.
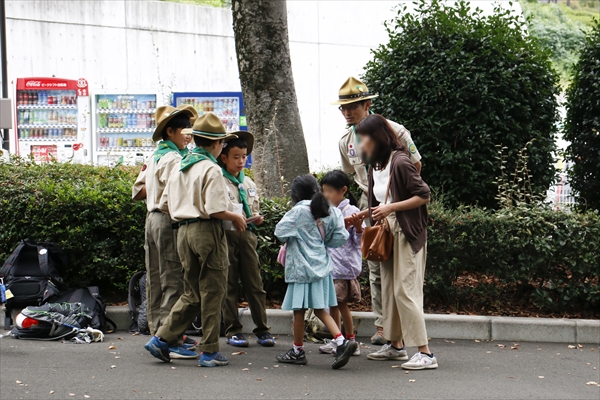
[53, 321]
[91, 298]
[136, 300]
[31, 273]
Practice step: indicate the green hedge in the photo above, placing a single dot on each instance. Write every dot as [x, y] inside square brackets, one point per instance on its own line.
[531, 256]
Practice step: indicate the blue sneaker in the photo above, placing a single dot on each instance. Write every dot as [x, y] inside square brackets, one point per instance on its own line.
[158, 349]
[212, 360]
[189, 343]
[238, 340]
[266, 339]
[182, 352]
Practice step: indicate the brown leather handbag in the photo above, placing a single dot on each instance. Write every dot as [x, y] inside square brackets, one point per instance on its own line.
[377, 241]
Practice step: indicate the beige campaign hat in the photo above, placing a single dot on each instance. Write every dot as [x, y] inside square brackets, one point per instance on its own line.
[165, 113]
[354, 90]
[209, 126]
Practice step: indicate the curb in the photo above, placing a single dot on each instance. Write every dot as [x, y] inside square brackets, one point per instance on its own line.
[442, 326]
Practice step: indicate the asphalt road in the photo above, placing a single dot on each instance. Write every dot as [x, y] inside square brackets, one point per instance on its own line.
[468, 370]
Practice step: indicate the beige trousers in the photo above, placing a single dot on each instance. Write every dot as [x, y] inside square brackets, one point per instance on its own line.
[402, 291]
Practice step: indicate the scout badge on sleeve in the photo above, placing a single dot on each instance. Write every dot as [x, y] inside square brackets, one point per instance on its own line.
[351, 150]
[252, 192]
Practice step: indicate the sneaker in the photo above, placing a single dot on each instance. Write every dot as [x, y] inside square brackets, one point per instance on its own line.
[378, 338]
[357, 351]
[158, 349]
[212, 360]
[266, 339]
[387, 352]
[189, 343]
[343, 354]
[329, 347]
[238, 340]
[182, 352]
[290, 357]
[421, 361]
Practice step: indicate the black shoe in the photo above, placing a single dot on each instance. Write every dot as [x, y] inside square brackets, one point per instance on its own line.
[343, 354]
[290, 357]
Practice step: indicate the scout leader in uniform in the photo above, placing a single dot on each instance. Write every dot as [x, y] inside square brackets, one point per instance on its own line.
[164, 279]
[198, 201]
[243, 258]
[354, 102]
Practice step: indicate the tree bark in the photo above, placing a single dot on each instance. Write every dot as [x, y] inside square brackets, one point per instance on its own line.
[263, 55]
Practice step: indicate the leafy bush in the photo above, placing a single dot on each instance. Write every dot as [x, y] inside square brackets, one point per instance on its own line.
[582, 127]
[463, 83]
[85, 209]
[527, 254]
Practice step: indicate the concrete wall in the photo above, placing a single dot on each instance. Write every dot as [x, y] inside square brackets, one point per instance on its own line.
[165, 47]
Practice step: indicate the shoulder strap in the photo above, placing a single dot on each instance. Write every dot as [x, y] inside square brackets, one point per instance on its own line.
[43, 259]
[11, 260]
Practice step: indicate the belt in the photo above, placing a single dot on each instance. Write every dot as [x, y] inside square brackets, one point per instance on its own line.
[176, 225]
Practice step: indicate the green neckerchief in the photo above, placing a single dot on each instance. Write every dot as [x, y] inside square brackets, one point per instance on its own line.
[198, 154]
[239, 182]
[166, 146]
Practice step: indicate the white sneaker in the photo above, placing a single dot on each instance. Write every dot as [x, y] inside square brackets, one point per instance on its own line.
[421, 361]
[387, 352]
[329, 347]
[357, 352]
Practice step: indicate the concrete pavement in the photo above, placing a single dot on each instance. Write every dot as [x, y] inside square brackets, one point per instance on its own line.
[468, 369]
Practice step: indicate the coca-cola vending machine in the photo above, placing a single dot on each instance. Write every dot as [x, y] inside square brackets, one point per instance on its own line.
[123, 124]
[53, 120]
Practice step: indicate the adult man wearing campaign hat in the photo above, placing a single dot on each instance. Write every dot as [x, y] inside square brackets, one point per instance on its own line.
[198, 201]
[354, 102]
[164, 280]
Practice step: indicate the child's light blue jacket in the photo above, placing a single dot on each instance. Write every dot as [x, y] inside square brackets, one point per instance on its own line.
[306, 259]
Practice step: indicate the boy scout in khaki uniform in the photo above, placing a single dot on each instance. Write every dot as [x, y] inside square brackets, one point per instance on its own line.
[197, 198]
[354, 102]
[164, 280]
[243, 258]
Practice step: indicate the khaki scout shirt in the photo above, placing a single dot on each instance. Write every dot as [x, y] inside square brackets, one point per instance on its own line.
[234, 194]
[197, 192]
[154, 176]
[352, 162]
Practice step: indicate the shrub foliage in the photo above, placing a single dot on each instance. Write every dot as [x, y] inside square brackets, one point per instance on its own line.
[540, 257]
[464, 83]
[582, 127]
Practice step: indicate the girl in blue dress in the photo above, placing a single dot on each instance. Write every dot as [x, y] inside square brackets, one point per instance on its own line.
[308, 229]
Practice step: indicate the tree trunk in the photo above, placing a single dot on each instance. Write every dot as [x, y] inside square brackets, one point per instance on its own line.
[263, 54]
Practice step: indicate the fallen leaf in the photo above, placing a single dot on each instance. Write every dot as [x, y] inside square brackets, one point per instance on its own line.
[71, 394]
[477, 341]
[113, 366]
[117, 356]
[86, 396]
[516, 344]
[135, 334]
[18, 382]
[411, 380]
[592, 383]
[558, 354]
[275, 366]
[571, 346]
[52, 392]
[238, 353]
[262, 394]
[112, 347]
[245, 369]
[249, 363]
[395, 366]
[500, 345]
[119, 338]
[541, 377]
[173, 368]
[580, 346]
[259, 379]
[514, 348]
[511, 377]
[205, 376]
[265, 367]
[539, 349]
[489, 352]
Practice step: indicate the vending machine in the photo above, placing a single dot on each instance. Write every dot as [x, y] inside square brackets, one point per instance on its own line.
[53, 120]
[228, 106]
[123, 124]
